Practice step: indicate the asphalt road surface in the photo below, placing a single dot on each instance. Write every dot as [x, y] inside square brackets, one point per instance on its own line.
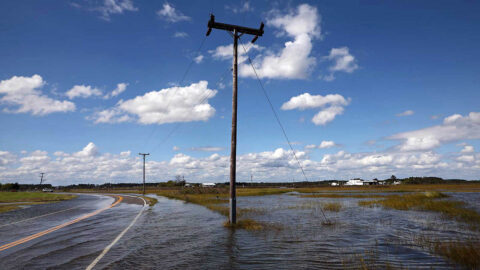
[74, 234]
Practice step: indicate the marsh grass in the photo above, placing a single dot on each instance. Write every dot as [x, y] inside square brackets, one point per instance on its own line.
[29, 198]
[215, 201]
[150, 201]
[465, 187]
[253, 225]
[332, 206]
[369, 259]
[8, 197]
[6, 208]
[246, 224]
[462, 252]
[429, 201]
[351, 195]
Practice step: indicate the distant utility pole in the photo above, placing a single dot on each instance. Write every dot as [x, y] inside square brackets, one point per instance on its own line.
[143, 154]
[237, 32]
[41, 177]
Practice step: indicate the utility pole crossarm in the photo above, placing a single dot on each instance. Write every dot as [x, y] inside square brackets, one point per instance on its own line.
[239, 29]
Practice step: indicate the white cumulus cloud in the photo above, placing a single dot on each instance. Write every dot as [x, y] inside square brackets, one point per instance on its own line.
[327, 115]
[175, 104]
[83, 91]
[110, 7]
[180, 35]
[245, 7]
[332, 105]
[198, 59]
[24, 95]
[454, 128]
[121, 87]
[405, 113]
[468, 149]
[322, 145]
[294, 61]
[342, 61]
[170, 14]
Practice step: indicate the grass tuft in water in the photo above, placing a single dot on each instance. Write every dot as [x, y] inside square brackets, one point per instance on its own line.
[352, 195]
[428, 201]
[460, 251]
[150, 201]
[466, 253]
[246, 224]
[332, 206]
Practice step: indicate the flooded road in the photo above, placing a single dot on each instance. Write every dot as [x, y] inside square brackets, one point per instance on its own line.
[69, 234]
[178, 235]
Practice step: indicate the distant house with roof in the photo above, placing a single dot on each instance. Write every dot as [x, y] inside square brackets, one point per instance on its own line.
[208, 184]
[361, 182]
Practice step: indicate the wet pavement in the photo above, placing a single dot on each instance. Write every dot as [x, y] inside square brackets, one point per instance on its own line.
[74, 246]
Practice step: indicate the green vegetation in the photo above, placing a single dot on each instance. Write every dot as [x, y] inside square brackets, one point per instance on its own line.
[150, 201]
[27, 198]
[332, 207]
[216, 198]
[6, 208]
[9, 186]
[351, 195]
[428, 201]
[8, 197]
[464, 253]
[247, 224]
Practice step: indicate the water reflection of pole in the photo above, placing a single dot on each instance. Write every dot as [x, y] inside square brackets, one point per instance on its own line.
[231, 248]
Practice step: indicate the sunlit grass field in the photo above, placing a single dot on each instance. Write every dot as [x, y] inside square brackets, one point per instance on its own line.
[25, 198]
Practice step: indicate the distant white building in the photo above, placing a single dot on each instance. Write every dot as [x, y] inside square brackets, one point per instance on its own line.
[334, 184]
[361, 182]
[354, 182]
[208, 184]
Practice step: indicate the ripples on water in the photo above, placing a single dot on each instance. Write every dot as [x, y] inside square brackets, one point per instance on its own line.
[178, 235]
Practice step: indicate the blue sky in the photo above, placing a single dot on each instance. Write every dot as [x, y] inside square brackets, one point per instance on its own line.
[364, 89]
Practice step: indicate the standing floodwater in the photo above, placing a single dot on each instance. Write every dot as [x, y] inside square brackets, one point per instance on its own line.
[178, 235]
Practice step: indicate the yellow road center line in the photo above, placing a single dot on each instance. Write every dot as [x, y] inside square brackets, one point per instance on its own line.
[34, 236]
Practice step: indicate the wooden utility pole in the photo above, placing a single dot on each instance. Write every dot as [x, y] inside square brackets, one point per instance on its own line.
[237, 32]
[142, 154]
[41, 178]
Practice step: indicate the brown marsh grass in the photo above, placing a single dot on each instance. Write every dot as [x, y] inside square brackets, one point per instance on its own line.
[462, 252]
[333, 195]
[332, 206]
[213, 200]
[429, 201]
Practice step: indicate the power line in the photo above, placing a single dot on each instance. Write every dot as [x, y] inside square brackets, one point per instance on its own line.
[277, 118]
[237, 32]
[180, 83]
[177, 125]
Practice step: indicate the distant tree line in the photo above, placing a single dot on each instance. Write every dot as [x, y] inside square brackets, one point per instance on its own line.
[22, 187]
[180, 182]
